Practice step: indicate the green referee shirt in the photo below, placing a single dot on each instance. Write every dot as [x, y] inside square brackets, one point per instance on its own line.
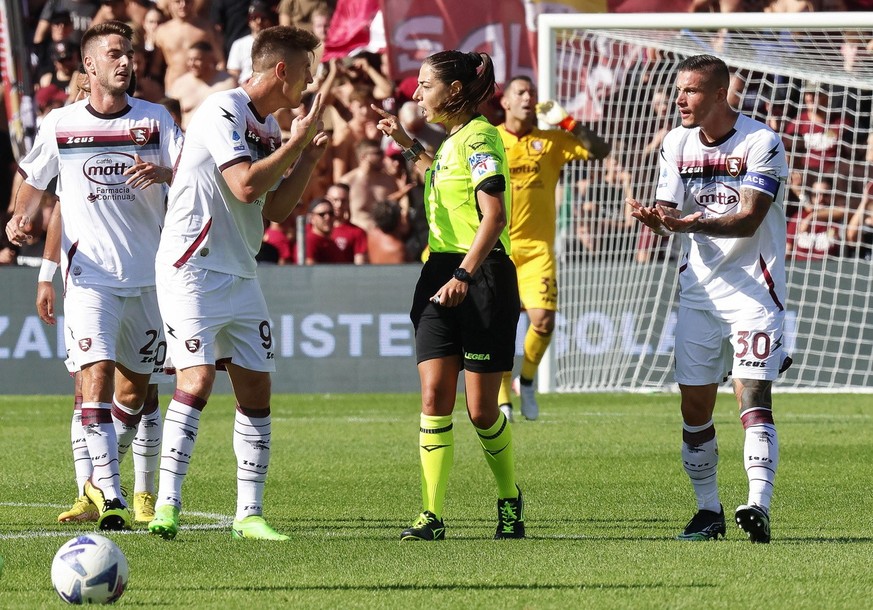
[464, 160]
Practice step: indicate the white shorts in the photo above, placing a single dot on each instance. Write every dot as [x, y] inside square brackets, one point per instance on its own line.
[744, 344]
[122, 325]
[213, 318]
[166, 373]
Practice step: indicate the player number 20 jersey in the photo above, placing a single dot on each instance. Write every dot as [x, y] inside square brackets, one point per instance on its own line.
[110, 230]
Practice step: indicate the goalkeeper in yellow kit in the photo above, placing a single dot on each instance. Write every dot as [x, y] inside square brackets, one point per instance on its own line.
[536, 158]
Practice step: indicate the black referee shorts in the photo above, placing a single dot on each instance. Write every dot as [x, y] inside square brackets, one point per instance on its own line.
[482, 328]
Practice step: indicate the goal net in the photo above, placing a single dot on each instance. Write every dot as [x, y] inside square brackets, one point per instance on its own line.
[810, 76]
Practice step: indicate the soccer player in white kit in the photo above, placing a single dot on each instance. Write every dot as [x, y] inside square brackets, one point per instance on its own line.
[112, 155]
[146, 441]
[230, 177]
[721, 188]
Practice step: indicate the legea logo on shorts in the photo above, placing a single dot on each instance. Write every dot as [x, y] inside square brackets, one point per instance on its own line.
[192, 345]
[471, 356]
[107, 168]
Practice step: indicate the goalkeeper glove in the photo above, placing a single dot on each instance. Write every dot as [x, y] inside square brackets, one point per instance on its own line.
[554, 114]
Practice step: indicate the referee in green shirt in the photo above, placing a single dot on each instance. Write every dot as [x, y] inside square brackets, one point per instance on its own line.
[466, 306]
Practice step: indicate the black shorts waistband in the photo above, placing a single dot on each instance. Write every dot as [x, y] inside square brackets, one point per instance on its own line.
[496, 253]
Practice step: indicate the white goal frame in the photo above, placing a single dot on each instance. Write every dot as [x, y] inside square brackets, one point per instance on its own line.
[857, 276]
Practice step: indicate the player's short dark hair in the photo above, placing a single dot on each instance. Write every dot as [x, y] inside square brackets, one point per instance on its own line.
[275, 44]
[107, 28]
[473, 70]
[523, 78]
[716, 70]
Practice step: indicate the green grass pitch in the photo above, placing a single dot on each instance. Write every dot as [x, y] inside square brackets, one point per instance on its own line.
[604, 488]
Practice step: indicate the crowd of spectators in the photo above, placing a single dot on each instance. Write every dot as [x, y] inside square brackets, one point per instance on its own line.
[364, 205]
[826, 130]
[188, 49]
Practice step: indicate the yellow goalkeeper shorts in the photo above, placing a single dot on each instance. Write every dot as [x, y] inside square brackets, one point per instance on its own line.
[537, 275]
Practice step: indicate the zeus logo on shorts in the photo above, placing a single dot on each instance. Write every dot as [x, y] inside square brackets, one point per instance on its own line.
[752, 363]
[192, 345]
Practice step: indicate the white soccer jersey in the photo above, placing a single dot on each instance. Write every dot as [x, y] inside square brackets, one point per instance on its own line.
[110, 231]
[728, 273]
[206, 225]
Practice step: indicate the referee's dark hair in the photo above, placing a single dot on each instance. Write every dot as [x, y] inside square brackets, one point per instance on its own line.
[474, 71]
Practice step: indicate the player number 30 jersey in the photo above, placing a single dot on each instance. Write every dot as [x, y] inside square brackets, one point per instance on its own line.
[728, 273]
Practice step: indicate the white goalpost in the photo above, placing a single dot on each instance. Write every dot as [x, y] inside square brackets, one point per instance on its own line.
[808, 75]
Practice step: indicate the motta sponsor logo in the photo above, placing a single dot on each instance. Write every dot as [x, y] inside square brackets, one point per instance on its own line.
[718, 198]
[107, 169]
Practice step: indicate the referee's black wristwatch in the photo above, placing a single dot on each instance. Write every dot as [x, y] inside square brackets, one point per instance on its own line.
[462, 275]
[414, 151]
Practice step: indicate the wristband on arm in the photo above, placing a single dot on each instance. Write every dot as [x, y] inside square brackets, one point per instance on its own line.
[568, 123]
[414, 151]
[47, 270]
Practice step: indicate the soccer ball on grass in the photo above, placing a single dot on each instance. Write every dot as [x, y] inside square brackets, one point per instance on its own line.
[89, 569]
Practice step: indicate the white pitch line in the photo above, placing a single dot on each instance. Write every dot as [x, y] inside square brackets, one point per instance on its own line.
[222, 522]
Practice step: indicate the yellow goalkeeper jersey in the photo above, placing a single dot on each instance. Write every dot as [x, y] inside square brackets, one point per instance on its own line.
[535, 162]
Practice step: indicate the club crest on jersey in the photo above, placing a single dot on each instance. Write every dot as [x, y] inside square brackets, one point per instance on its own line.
[734, 166]
[537, 145]
[140, 135]
[192, 345]
[84, 344]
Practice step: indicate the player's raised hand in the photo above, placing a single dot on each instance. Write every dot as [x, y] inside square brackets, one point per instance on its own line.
[390, 126]
[304, 128]
[316, 147]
